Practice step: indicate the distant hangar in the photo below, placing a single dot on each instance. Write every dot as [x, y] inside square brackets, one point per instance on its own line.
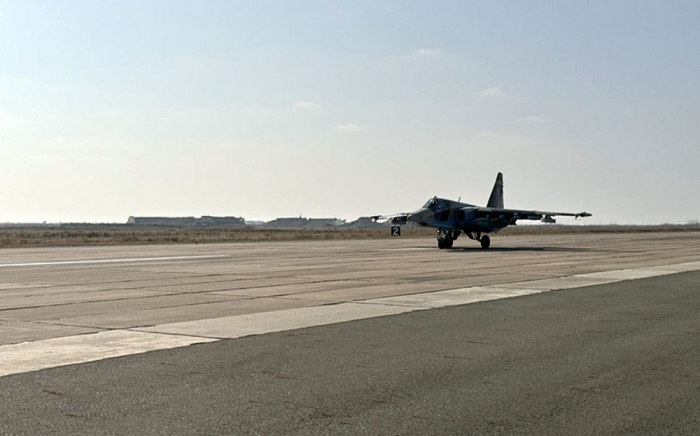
[236, 222]
[205, 221]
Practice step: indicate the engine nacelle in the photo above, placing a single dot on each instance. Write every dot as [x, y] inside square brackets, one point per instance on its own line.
[465, 215]
[399, 220]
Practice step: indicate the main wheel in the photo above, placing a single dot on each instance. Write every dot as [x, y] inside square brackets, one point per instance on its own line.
[445, 243]
[485, 241]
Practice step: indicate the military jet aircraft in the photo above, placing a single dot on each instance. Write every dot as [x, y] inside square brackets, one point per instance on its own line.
[452, 218]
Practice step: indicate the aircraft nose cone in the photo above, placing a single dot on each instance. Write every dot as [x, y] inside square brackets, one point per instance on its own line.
[418, 216]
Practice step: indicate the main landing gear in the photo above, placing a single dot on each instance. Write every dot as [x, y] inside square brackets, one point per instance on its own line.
[446, 238]
[485, 240]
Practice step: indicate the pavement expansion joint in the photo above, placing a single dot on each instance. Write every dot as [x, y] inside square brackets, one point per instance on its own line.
[390, 303]
[117, 260]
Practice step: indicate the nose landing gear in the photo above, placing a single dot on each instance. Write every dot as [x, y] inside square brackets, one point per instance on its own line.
[446, 238]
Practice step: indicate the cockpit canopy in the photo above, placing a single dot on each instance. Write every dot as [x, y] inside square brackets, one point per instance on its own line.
[432, 204]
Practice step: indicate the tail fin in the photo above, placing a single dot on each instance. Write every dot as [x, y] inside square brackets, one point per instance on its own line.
[496, 198]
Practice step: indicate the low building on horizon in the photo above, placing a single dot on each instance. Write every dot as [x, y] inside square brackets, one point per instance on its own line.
[205, 221]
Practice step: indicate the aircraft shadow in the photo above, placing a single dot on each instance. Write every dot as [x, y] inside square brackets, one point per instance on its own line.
[476, 248]
[524, 249]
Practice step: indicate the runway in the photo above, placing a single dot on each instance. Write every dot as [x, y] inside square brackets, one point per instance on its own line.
[69, 302]
[66, 306]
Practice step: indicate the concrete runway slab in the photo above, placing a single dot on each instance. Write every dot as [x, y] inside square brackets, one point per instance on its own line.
[25, 331]
[137, 317]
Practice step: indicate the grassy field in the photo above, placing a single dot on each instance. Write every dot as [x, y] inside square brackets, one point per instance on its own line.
[97, 234]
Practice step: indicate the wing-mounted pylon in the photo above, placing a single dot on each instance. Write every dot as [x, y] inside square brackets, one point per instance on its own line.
[513, 215]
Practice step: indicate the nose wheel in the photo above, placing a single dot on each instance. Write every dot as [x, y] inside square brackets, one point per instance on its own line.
[446, 238]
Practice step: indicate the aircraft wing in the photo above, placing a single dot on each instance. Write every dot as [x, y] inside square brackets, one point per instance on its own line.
[518, 214]
[397, 219]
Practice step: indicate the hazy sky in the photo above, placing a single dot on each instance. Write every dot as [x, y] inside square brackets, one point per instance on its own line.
[340, 109]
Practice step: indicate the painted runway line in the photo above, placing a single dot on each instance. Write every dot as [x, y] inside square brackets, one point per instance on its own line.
[50, 353]
[239, 326]
[128, 260]
[32, 356]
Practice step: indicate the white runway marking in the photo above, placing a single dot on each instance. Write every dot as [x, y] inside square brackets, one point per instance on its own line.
[50, 353]
[453, 297]
[231, 327]
[136, 259]
[32, 356]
